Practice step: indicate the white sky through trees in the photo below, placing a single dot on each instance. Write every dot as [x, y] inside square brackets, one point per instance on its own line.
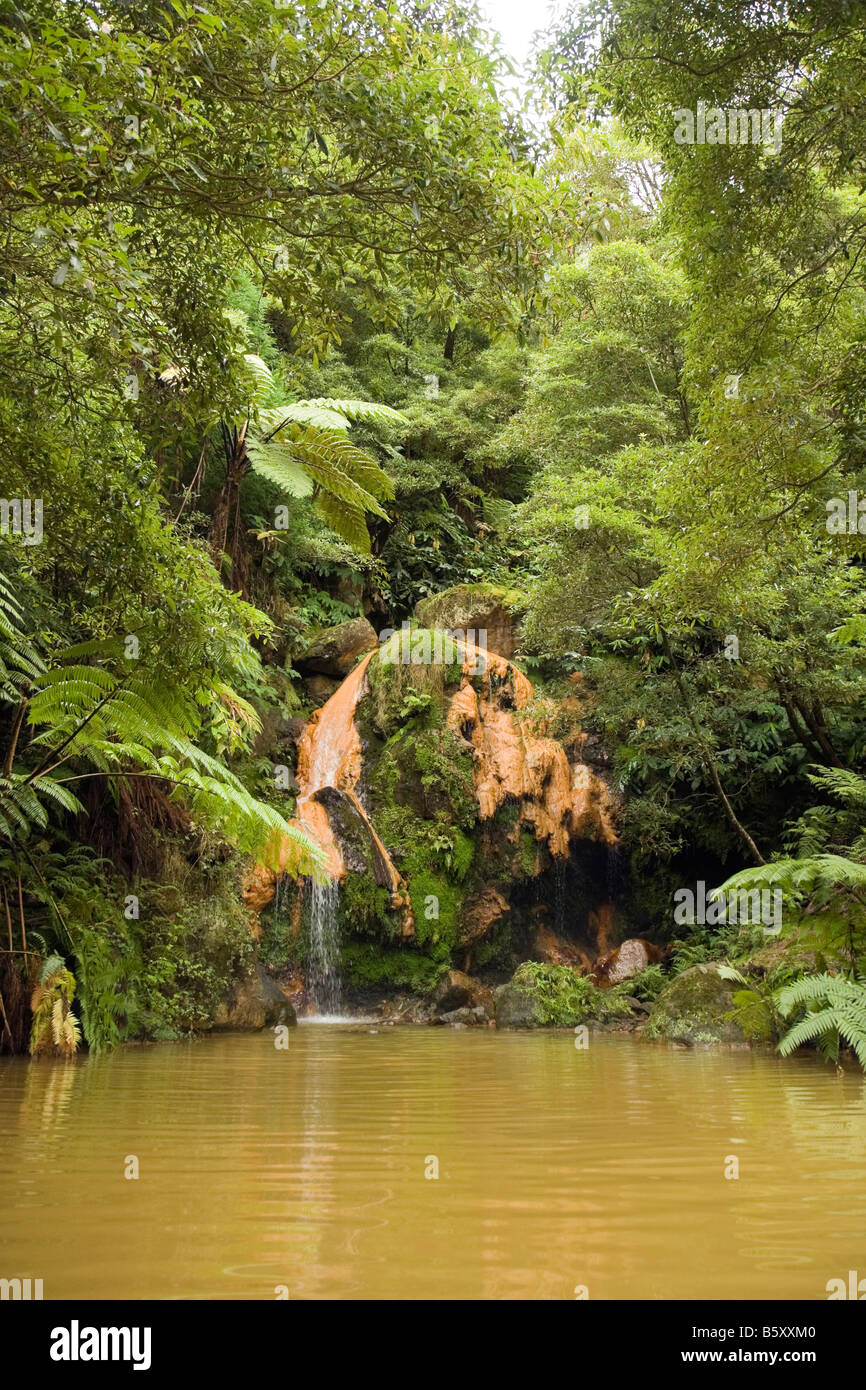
[516, 22]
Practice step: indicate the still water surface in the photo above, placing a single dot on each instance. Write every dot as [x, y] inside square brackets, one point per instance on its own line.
[304, 1170]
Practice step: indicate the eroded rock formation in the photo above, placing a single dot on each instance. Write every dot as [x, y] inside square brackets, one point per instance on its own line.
[513, 761]
[437, 793]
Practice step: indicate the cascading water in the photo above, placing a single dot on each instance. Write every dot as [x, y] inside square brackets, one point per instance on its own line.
[324, 975]
[515, 761]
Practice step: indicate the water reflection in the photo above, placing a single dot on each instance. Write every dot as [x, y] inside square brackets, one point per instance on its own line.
[305, 1169]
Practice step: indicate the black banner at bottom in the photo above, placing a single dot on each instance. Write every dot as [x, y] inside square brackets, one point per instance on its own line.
[84, 1339]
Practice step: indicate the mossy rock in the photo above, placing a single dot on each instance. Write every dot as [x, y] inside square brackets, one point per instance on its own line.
[492, 608]
[515, 1007]
[694, 1009]
[802, 951]
[555, 996]
[411, 678]
[333, 651]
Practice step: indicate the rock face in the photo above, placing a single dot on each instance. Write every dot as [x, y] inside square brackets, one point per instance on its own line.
[514, 1007]
[515, 762]
[692, 1009]
[433, 784]
[627, 960]
[481, 911]
[487, 608]
[333, 651]
[458, 991]
[253, 1004]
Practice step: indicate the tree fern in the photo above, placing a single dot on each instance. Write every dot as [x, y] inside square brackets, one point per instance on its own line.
[135, 725]
[303, 448]
[835, 1012]
[20, 661]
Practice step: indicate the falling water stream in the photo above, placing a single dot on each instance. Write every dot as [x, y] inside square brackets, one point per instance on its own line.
[324, 975]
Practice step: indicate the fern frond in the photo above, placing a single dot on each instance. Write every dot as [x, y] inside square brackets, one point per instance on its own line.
[363, 412]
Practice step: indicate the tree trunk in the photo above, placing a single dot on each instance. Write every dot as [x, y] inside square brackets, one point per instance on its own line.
[226, 510]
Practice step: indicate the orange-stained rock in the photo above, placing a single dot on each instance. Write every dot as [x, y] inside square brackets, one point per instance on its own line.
[480, 912]
[513, 761]
[553, 950]
[258, 887]
[633, 956]
[592, 809]
[334, 650]
[329, 756]
[602, 924]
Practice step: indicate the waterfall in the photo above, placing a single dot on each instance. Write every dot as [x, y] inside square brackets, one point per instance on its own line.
[324, 976]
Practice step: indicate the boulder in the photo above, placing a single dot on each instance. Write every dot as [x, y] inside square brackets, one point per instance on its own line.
[514, 1008]
[488, 608]
[333, 651]
[453, 992]
[458, 991]
[254, 1003]
[554, 950]
[481, 912]
[468, 1018]
[633, 956]
[258, 888]
[692, 1009]
[321, 688]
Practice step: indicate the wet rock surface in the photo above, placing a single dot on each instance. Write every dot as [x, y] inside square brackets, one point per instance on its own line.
[694, 1008]
[627, 960]
[254, 1003]
[333, 651]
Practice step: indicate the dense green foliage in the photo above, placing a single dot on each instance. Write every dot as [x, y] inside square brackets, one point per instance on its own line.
[300, 322]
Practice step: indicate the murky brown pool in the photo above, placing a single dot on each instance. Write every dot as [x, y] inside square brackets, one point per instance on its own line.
[303, 1171]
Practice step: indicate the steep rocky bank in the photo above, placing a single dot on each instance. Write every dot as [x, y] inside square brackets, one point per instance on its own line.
[463, 833]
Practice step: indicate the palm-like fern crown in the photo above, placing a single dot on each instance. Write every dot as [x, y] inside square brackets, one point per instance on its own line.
[121, 719]
[304, 449]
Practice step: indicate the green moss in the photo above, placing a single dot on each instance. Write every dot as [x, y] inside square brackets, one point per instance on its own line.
[369, 965]
[366, 908]
[562, 998]
[462, 854]
[433, 894]
[429, 771]
[459, 605]
[553, 996]
[278, 947]
[416, 690]
[527, 854]
[495, 950]
[164, 973]
[698, 1006]
[507, 815]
